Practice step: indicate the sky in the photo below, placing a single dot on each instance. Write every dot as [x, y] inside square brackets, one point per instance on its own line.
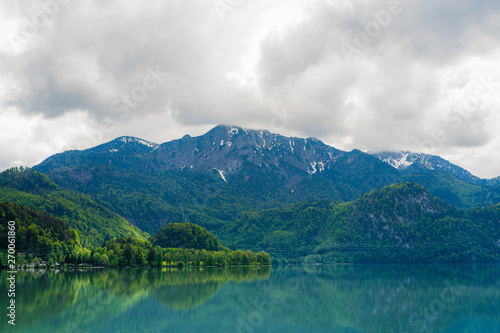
[381, 75]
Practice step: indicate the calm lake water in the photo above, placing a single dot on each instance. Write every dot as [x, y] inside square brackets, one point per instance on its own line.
[342, 298]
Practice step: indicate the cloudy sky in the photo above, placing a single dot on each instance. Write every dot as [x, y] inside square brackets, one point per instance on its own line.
[374, 75]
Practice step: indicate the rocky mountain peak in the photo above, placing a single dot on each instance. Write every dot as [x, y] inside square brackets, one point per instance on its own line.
[228, 149]
[414, 162]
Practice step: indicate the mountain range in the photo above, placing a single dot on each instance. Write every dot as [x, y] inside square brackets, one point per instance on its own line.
[219, 179]
[257, 163]
[228, 150]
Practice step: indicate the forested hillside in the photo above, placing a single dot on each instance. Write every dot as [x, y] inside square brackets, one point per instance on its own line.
[42, 237]
[94, 222]
[37, 234]
[399, 223]
[186, 236]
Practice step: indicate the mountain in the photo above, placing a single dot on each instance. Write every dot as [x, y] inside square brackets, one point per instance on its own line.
[94, 223]
[398, 223]
[413, 162]
[293, 197]
[123, 152]
[230, 149]
[224, 151]
[444, 179]
[210, 179]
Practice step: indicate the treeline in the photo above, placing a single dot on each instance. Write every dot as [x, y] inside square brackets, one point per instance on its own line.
[121, 252]
[130, 252]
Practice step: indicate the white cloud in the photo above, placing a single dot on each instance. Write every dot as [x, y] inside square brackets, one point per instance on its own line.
[28, 139]
[402, 85]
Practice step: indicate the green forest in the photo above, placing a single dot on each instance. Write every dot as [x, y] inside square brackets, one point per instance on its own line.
[38, 235]
[94, 222]
[45, 240]
[400, 223]
[186, 235]
[133, 252]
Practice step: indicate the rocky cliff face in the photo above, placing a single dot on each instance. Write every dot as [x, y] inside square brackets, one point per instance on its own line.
[388, 214]
[229, 149]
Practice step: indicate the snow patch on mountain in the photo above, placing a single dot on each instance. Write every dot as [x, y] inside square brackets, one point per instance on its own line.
[399, 163]
[148, 144]
[313, 165]
[221, 175]
[413, 161]
[321, 166]
[128, 139]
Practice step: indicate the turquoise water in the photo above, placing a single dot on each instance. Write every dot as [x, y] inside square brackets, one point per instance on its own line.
[342, 298]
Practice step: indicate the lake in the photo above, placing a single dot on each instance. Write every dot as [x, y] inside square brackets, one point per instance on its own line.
[337, 298]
